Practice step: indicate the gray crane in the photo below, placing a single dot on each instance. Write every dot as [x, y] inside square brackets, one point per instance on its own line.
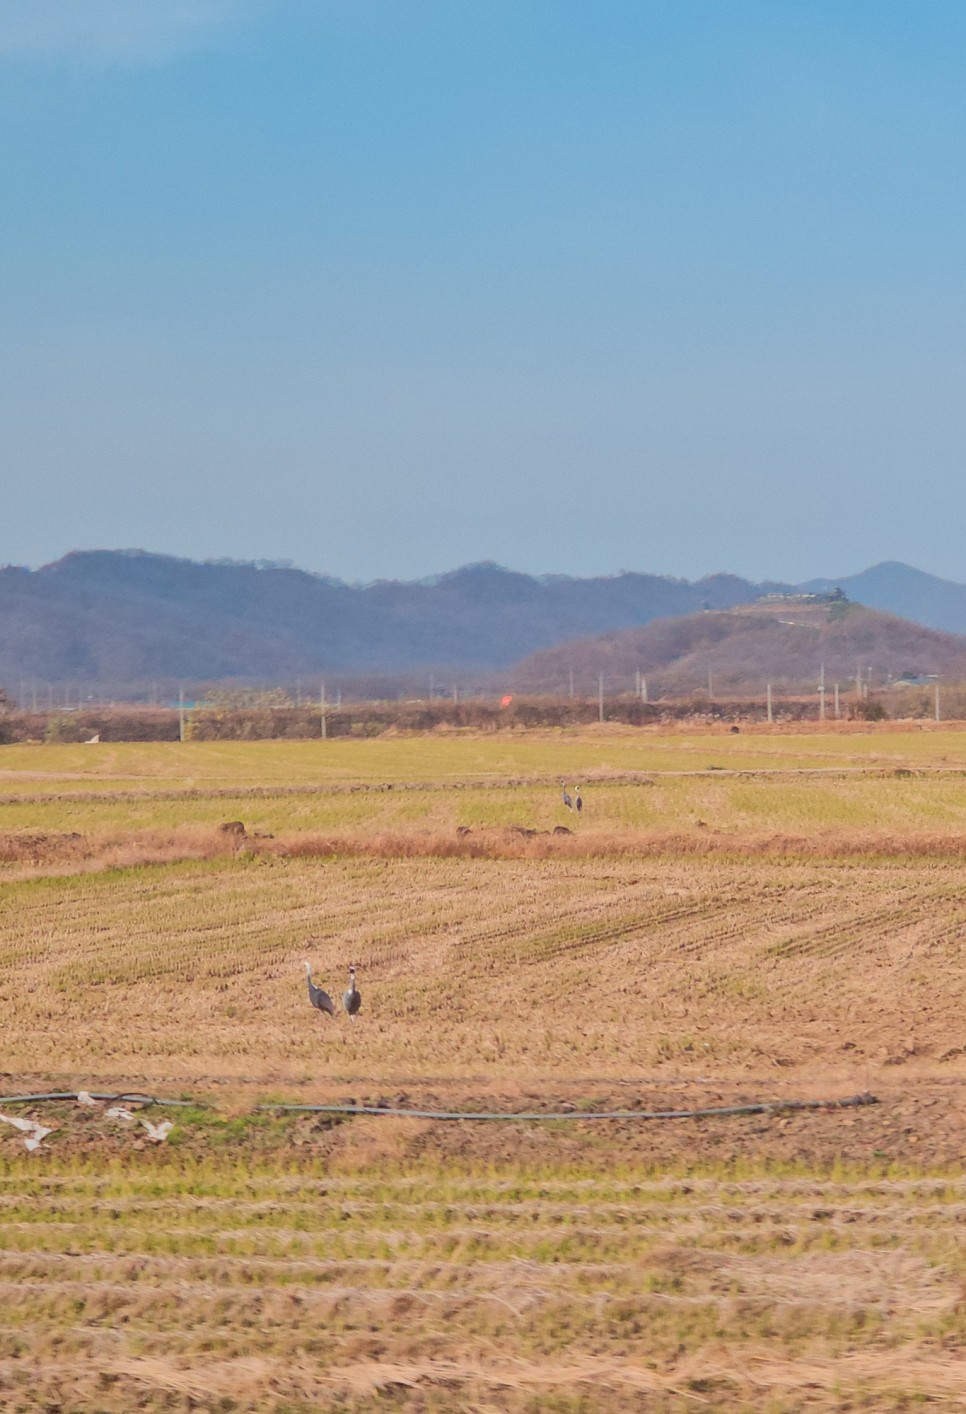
[566, 796]
[352, 997]
[578, 803]
[319, 999]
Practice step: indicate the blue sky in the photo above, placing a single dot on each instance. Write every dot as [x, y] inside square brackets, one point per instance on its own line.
[386, 286]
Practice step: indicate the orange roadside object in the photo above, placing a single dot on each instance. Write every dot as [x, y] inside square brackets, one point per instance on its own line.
[505, 701]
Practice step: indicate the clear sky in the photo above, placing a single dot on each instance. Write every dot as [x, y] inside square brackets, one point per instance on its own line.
[386, 286]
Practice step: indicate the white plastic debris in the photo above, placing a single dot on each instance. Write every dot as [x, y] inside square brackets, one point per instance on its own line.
[36, 1133]
[157, 1133]
[84, 1097]
[118, 1112]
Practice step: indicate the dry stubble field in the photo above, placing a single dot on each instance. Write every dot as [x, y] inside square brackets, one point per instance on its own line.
[768, 916]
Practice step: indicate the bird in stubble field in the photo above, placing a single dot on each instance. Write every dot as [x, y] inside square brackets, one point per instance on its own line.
[351, 997]
[578, 803]
[319, 999]
[566, 796]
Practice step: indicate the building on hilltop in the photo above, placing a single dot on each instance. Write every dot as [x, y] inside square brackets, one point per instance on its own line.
[831, 596]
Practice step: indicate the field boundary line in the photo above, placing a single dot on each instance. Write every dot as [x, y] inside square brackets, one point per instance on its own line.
[623, 778]
[718, 1112]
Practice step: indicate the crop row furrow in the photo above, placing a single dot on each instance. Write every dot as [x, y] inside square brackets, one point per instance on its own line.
[444, 1203]
[305, 1223]
[443, 1261]
[35, 1270]
[219, 1182]
[148, 1270]
[436, 1229]
[837, 937]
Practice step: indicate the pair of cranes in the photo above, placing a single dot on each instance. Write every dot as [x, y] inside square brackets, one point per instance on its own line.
[351, 997]
[574, 803]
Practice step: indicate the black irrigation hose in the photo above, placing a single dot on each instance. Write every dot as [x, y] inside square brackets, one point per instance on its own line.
[767, 1107]
[719, 1112]
[97, 1095]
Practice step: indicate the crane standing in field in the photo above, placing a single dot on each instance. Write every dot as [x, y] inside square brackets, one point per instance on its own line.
[578, 803]
[319, 999]
[566, 796]
[352, 997]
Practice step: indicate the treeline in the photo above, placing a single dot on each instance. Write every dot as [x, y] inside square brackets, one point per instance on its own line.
[107, 723]
[372, 719]
[263, 722]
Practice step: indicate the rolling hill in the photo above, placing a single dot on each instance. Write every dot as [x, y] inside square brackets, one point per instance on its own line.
[783, 642]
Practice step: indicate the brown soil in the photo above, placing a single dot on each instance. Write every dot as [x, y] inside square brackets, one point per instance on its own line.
[917, 1123]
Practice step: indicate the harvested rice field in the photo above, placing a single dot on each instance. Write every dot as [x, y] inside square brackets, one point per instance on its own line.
[733, 919]
[483, 970]
[444, 1289]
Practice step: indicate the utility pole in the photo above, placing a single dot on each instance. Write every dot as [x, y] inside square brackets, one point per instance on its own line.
[181, 713]
[821, 695]
[937, 702]
[768, 702]
[600, 697]
[571, 684]
[322, 711]
[643, 688]
[837, 700]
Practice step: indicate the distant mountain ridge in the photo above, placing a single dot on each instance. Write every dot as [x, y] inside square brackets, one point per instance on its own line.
[124, 617]
[912, 594]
